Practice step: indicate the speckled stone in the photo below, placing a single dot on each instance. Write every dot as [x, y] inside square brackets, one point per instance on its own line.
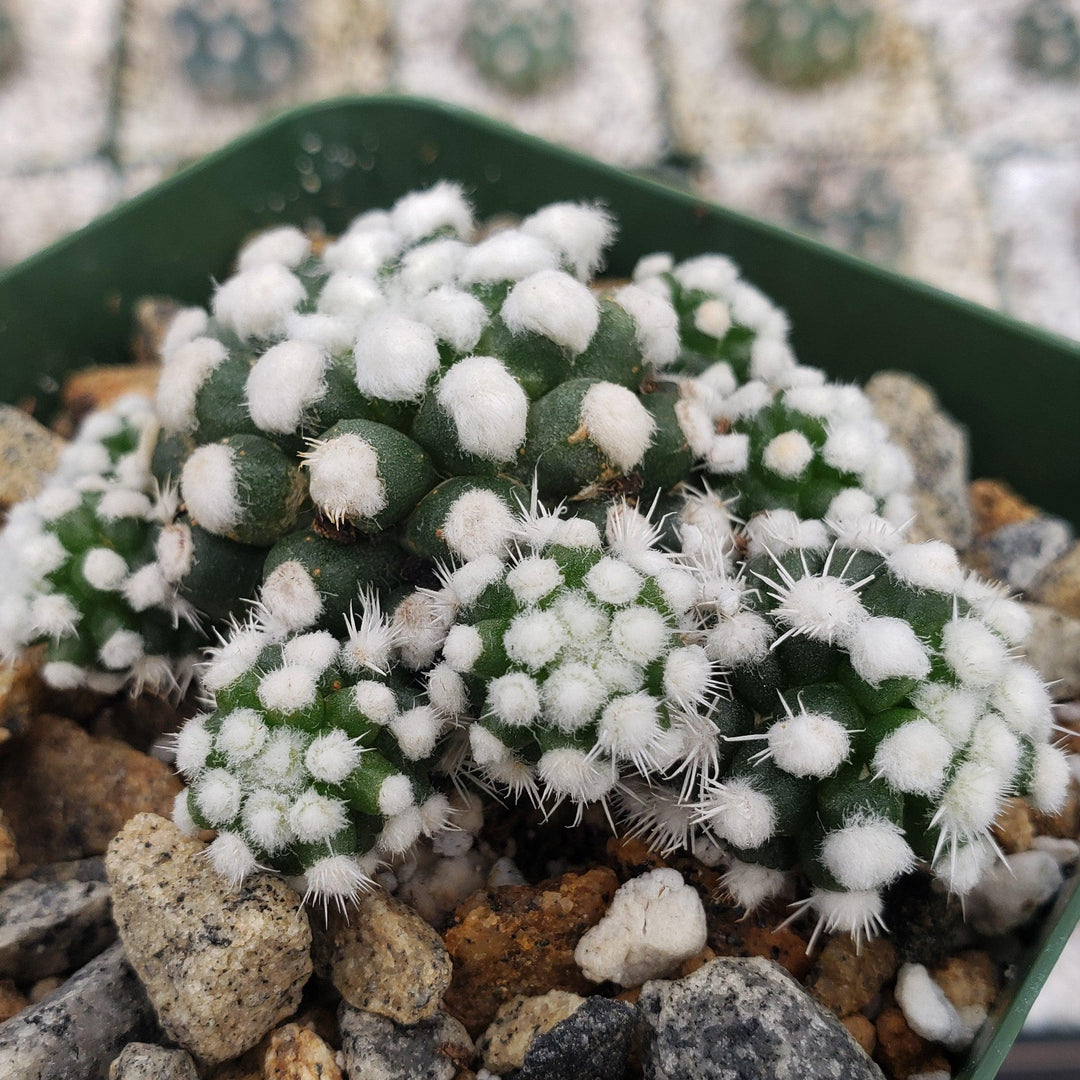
[739, 1019]
[384, 958]
[21, 691]
[375, 1048]
[47, 928]
[146, 1061]
[1019, 552]
[1058, 585]
[507, 1039]
[28, 453]
[65, 794]
[1053, 649]
[77, 1030]
[227, 964]
[298, 1053]
[938, 449]
[591, 1044]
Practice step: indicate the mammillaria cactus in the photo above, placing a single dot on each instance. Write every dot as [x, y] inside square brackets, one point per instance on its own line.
[629, 552]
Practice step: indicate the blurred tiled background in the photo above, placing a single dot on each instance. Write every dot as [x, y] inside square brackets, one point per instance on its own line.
[940, 137]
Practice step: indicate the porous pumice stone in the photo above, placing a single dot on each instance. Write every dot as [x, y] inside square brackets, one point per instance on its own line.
[227, 964]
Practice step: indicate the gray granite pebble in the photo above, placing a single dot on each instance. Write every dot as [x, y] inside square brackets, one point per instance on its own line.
[1019, 552]
[591, 1044]
[375, 1048]
[76, 1031]
[50, 927]
[742, 1018]
[145, 1061]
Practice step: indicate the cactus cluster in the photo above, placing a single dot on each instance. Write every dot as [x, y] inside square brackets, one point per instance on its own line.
[630, 551]
[80, 572]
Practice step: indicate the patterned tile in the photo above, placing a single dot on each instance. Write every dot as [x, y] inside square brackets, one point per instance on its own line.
[199, 72]
[607, 104]
[721, 105]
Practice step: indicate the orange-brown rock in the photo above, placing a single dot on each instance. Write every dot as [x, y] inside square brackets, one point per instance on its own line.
[95, 387]
[21, 691]
[847, 978]
[9, 852]
[66, 794]
[759, 933]
[994, 504]
[631, 857]
[297, 1053]
[520, 939]
[1013, 827]
[688, 967]
[902, 1053]
[11, 1000]
[969, 978]
[1066, 822]
[862, 1031]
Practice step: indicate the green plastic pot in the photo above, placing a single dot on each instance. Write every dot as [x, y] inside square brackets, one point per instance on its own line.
[1014, 386]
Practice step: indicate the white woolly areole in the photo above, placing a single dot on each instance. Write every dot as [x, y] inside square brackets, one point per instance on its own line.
[771, 360]
[930, 565]
[192, 747]
[751, 885]
[746, 402]
[40, 555]
[122, 503]
[584, 622]
[788, 454]
[776, 532]
[534, 638]
[186, 325]
[963, 868]
[395, 795]
[718, 382]
[486, 748]
[181, 379]
[651, 266]
[234, 657]
[314, 817]
[316, 650]
[62, 675]
[696, 425]
[217, 794]
[975, 653]
[656, 323]
[289, 597]
[337, 877]
[914, 758]
[242, 735]
[824, 608]
[575, 533]
[1050, 775]
[640, 634]
[888, 472]
[254, 303]
[288, 690]
[208, 487]
[331, 757]
[994, 744]
[1003, 615]
[286, 245]
[420, 623]
[446, 691]
[441, 206]
[487, 406]
[617, 423]
[707, 273]
[509, 255]
[468, 582]
[429, 265]
[457, 317]
[713, 317]
[175, 551]
[181, 814]
[345, 481]
[743, 639]
[104, 569]
[887, 648]
[728, 453]
[573, 775]
[573, 694]
[808, 744]
[417, 730]
[478, 523]
[333, 333]
[231, 857]
[655, 922]
[462, 648]
[850, 504]
[533, 578]
[401, 832]
[867, 854]
[680, 589]
[855, 913]
[122, 649]
[375, 700]
[283, 385]
[629, 726]
[513, 699]
[952, 711]
[613, 581]
[395, 357]
[281, 762]
[55, 502]
[363, 251]
[1024, 701]
[555, 305]
[867, 533]
[350, 296]
[737, 812]
[850, 447]
[579, 232]
[970, 802]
